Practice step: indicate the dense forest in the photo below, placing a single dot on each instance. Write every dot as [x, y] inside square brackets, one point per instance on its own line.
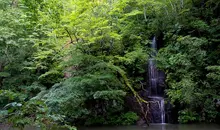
[74, 62]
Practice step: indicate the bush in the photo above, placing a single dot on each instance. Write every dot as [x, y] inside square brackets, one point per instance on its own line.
[128, 118]
[188, 116]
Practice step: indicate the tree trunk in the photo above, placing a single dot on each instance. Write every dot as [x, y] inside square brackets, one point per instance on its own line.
[1, 78]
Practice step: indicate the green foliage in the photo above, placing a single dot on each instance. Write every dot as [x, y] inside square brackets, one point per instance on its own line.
[183, 67]
[94, 90]
[128, 118]
[214, 72]
[15, 45]
[101, 47]
[51, 77]
[7, 96]
[188, 116]
[4, 74]
[210, 113]
[190, 60]
[111, 94]
[32, 112]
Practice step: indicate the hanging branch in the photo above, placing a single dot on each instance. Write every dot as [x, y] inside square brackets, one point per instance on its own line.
[142, 86]
[74, 34]
[139, 99]
[71, 39]
[77, 40]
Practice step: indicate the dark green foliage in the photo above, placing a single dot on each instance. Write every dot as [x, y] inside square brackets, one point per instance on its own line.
[8, 96]
[15, 48]
[128, 118]
[190, 59]
[94, 90]
[184, 68]
[188, 116]
[21, 113]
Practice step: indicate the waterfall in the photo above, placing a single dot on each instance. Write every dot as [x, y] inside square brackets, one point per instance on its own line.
[156, 92]
[162, 110]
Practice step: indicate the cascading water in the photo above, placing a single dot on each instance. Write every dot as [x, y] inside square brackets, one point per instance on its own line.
[157, 107]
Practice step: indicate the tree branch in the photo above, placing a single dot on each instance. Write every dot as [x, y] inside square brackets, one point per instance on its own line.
[71, 39]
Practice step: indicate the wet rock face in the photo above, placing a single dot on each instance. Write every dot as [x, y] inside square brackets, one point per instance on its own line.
[141, 122]
[154, 116]
[155, 112]
[133, 105]
[217, 102]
